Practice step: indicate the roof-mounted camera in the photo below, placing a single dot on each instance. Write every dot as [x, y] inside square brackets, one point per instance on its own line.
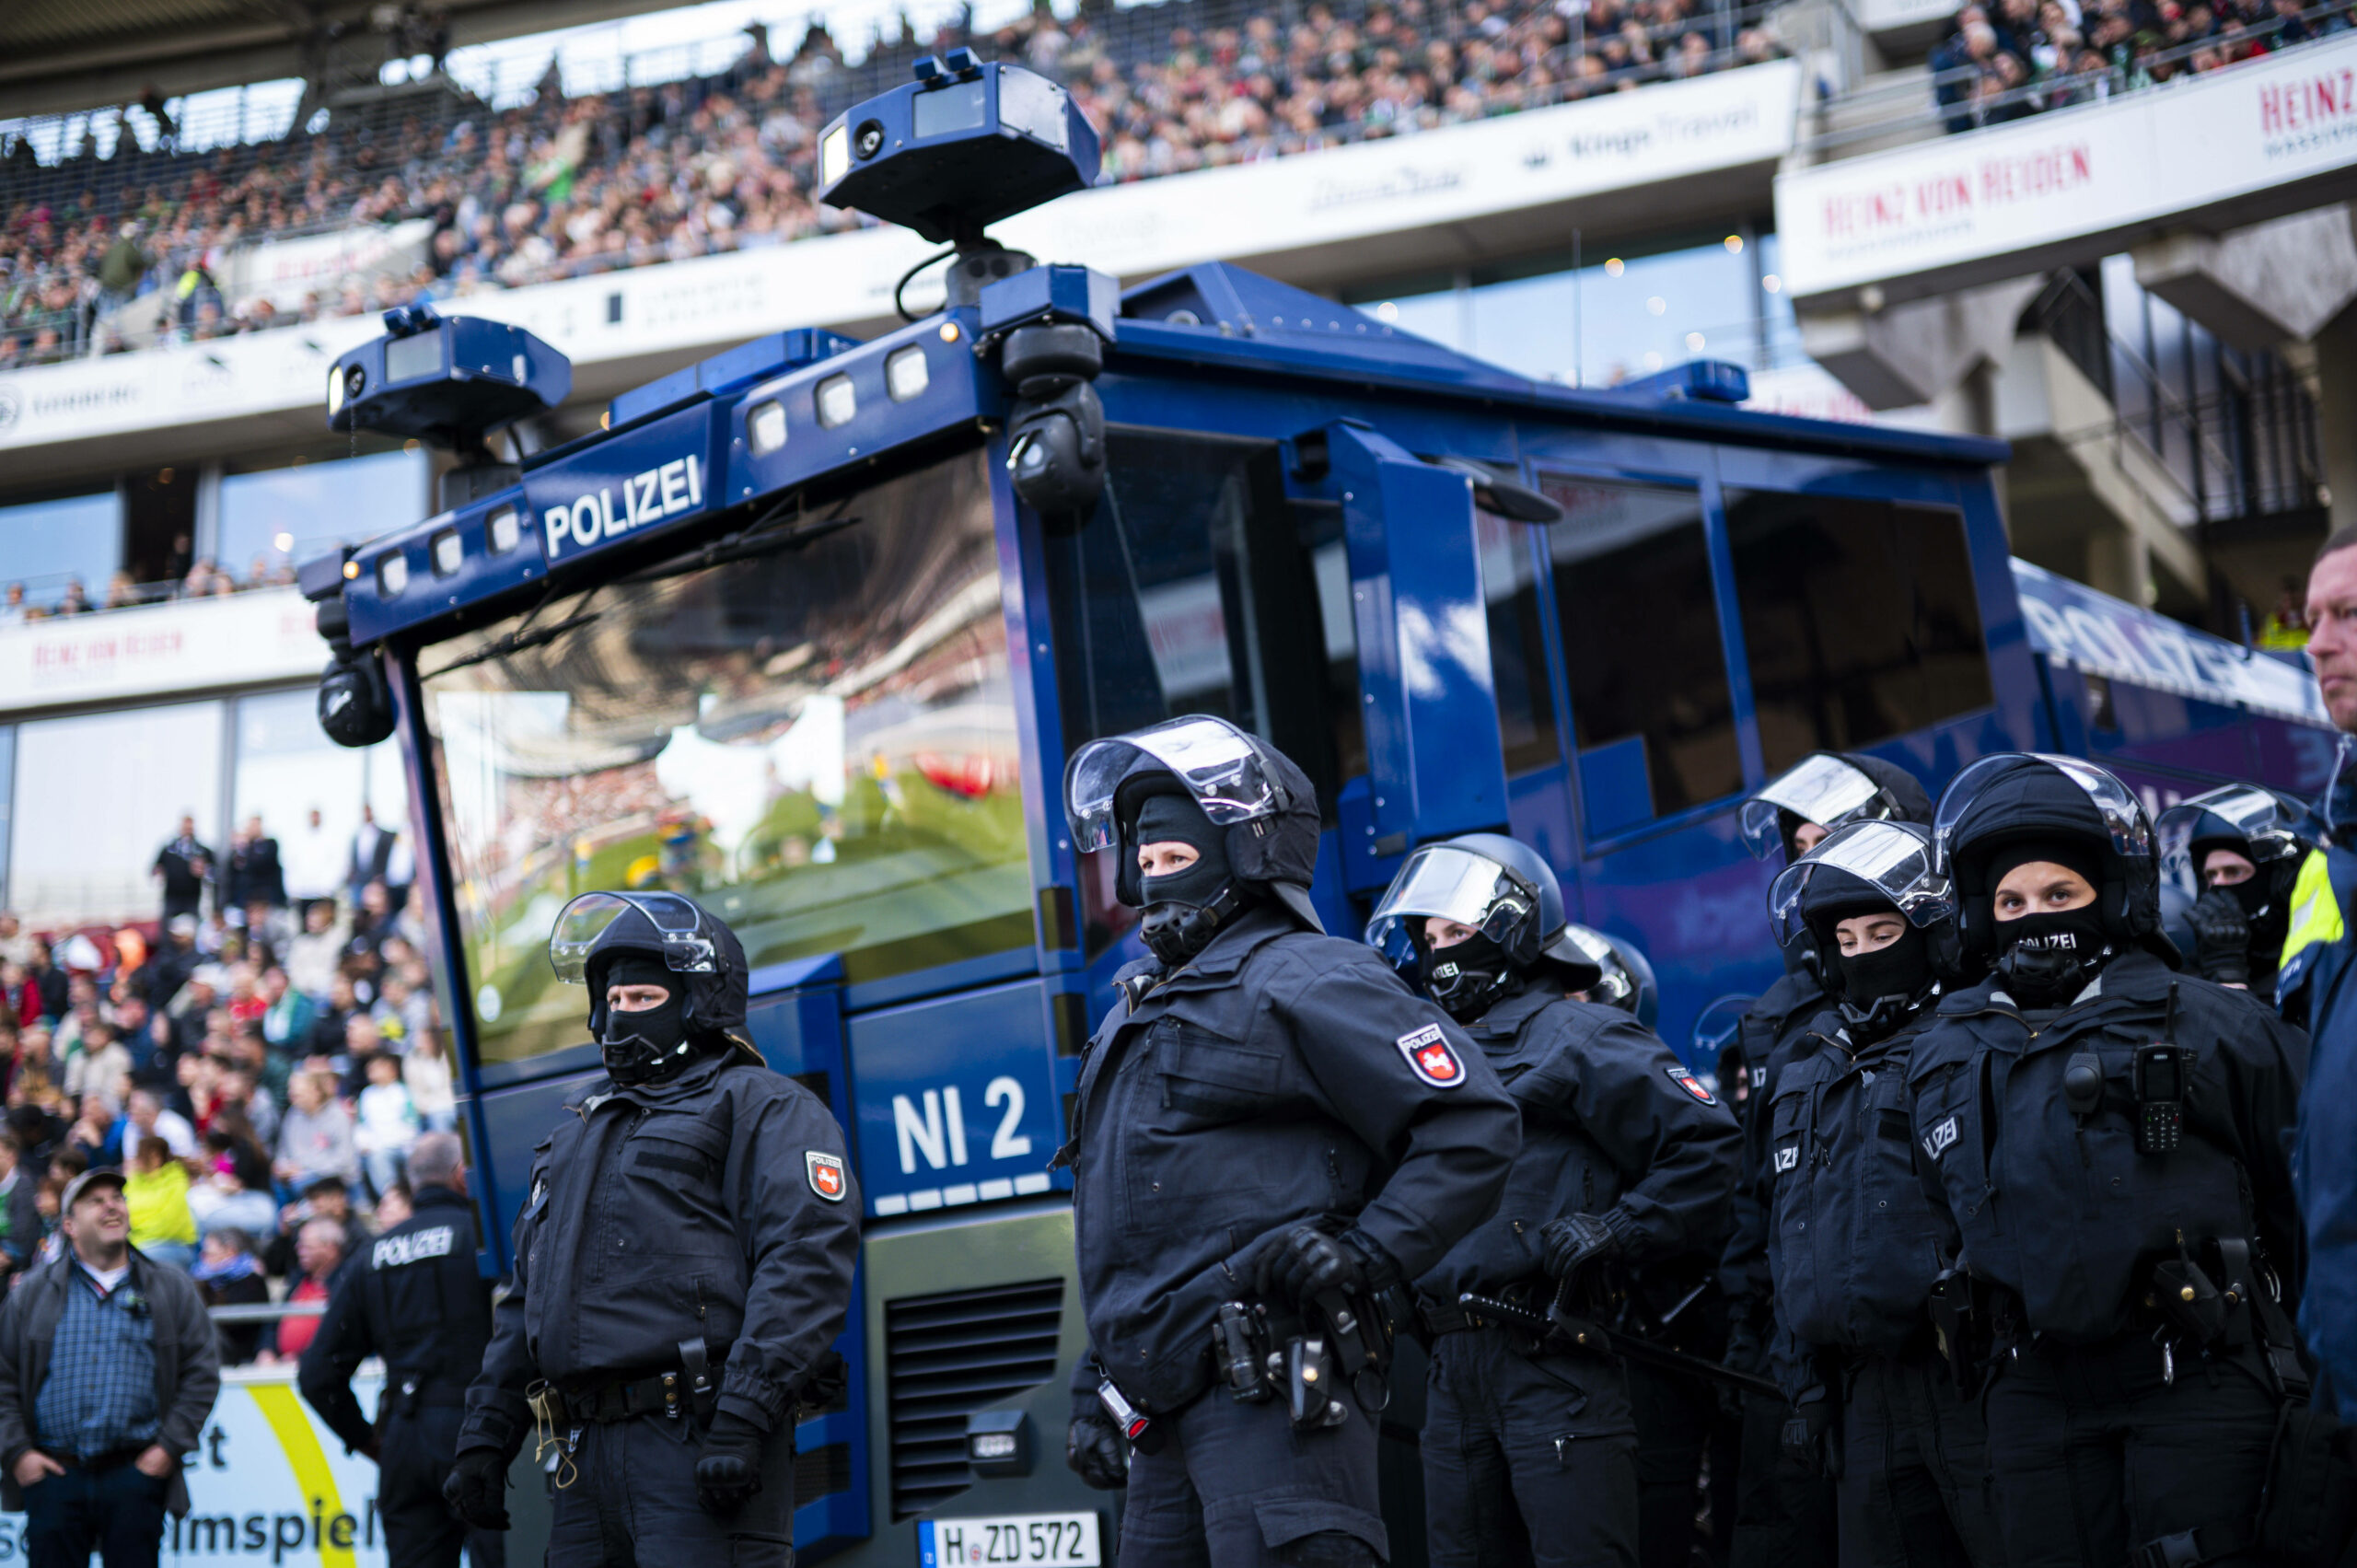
[448, 381]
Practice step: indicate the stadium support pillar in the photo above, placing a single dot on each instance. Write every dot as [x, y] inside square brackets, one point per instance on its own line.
[2336, 381]
[1917, 353]
[2259, 287]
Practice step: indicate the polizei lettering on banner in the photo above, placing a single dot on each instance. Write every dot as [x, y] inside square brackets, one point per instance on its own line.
[650, 496]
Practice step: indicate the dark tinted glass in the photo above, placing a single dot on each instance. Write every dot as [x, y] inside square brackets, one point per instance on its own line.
[1517, 643]
[1640, 635]
[1858, 617]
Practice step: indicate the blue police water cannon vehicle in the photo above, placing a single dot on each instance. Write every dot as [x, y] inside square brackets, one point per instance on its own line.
[808, 630]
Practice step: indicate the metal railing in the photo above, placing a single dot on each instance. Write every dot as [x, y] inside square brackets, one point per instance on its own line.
[1920, 107]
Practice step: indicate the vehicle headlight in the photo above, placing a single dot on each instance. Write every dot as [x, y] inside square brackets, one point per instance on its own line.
[504, 528]
[905, 374]
[766, 427]
[837, 401]
[449, 554]
[392, 573]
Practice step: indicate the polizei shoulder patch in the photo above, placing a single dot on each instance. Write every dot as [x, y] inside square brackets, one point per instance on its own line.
[826, 1175]
[1691, 1084]
[1430, 1057]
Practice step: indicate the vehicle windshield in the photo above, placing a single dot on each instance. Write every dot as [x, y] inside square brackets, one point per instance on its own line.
[817, 744]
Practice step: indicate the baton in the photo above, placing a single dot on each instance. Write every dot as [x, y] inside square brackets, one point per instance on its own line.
[1629, 1346]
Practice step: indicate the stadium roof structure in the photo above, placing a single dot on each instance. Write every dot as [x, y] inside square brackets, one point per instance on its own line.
[57, 56]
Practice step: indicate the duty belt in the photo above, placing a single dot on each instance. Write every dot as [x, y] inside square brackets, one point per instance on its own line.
[596, 1401]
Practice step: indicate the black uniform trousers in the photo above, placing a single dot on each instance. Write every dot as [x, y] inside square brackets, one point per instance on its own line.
[1786, 1513]
[2097, 1452]
[1915, 1489]
[1529, 1461]
[1236, 1486]
[1674, 1415]
[414, 1452]
[624, 1496]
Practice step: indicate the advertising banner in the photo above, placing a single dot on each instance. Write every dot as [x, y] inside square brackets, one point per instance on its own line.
[2076, 184]
[268, 1485]
[239, 640]
[283, 271]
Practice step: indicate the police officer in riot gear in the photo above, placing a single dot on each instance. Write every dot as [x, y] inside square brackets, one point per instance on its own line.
[1856, 1248]
[2239, 849]
[1625, 1158]
[416, 1298]
[1269, 1130]
[681, 1265]
[2109, 1138]
[1624, 976]
[1786, 1515]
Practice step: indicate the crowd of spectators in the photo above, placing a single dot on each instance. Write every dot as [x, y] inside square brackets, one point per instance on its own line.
[2004, 59]
[566, 186]
[204, 579]
[258, 1073]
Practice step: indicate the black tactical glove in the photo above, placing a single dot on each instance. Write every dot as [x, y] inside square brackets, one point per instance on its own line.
[1569, 1244]
[1807, 1432]
[2221, 938]
[1094, 1448]
[827, 1380]
[477, 1488]
[729, 1472]
[1305, 1262]
[1747, 1349]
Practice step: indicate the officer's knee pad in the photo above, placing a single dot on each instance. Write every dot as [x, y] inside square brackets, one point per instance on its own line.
[1329, 1549]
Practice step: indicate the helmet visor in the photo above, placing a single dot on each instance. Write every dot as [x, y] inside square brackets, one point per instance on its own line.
[1820, 788]
[1218, 764]
[2122, 813]
[585, 922]
[1447, 882]
[2259, 816]
[1885, 856]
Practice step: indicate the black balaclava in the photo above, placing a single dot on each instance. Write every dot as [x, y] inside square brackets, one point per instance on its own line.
[2268, 916]
[649, 1045]
[1184, 911]
[1469, 978]
[2047, 959]
[1881, 988]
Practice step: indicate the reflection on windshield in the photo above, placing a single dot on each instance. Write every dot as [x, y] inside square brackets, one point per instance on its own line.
[819, 745]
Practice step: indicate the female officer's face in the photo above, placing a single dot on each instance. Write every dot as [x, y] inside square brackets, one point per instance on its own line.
[1864, 934]
[2040, 887]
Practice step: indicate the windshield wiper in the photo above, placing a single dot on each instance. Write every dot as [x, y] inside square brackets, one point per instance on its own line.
[766, 537]
[517, 642]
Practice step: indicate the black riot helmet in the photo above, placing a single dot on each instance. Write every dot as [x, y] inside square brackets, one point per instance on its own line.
[1864, 868]
[1829, 788]
[2017, 801]
[2274, 831]
[602, 939]
[1506, 893]
[1245, 798]
[1625, 976]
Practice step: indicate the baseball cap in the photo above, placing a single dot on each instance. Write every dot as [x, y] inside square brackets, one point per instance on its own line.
[84, 1182]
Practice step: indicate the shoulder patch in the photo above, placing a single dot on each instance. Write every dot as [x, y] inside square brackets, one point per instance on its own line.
[827, 1177]
[1936, 1143]
[1693, 1086]
[1430, 1057]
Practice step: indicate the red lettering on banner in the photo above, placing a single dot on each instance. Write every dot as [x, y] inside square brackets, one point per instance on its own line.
[1848, 216]
[2302, 106]
[2030, 176]
[1943, 195]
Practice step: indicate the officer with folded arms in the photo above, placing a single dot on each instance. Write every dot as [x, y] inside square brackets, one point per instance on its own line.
[682, 1261]
[2110, 1139]
[1856, 1249]
[1269, 1130]
[1530, 1444]
[415, 1296]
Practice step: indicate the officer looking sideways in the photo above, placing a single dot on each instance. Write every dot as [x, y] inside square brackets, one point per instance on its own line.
[1270, 1130]
[1785, 1514]
[2109, 1138]
[2318, 989]
[415, 1296]
[2241, 848]
[1529, 1446]
[681, 1265]
[1855, 1247]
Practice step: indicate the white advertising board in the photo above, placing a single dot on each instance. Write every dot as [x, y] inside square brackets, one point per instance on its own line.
[1733, 119]
[239, 640]
[268, 1484]
[1955, 209]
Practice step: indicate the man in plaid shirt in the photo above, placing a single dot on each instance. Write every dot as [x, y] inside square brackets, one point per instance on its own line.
[108, 1370]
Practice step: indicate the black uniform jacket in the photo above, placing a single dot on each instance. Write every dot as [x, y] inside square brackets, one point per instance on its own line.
[2061, 1210]
[718, 1205]
[1608, 1127]
[414, 1296]
[1769, 1032]
[1852, 1240]
[1282, 1075]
